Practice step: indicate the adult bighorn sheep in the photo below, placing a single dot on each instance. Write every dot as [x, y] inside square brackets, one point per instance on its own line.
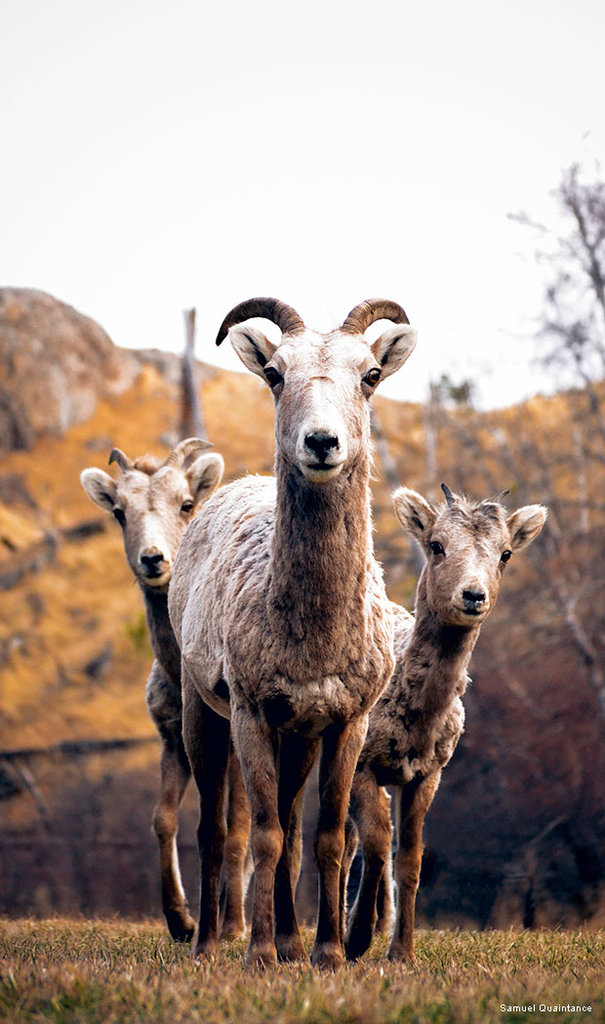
[281, 615]
[154, 502]
[416, 724]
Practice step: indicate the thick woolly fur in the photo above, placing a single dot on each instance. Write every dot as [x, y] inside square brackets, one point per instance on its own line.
[154, 501]
[310, 625]
[417, 722]
[281, 614]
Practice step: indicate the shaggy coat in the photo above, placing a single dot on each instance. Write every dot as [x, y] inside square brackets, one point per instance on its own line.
[154, 502]
[417, 722]
[281, 614]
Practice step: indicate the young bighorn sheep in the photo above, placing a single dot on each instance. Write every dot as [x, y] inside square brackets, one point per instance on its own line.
[280, 611]
[154, 502]
[416, 724]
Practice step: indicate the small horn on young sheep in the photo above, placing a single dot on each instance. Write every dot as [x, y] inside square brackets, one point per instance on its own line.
[185, 448]
[449, 497]
[286, 318]
[360, 318]
[117, 455]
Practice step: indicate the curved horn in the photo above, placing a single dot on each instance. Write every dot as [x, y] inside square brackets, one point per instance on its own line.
[286, 318]
[185, 448]
[449, 497]
[360, 318]
[117, 455]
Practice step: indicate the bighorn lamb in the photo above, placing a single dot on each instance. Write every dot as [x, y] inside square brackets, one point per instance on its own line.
[280, 612]
[153, 503]
[416, 724]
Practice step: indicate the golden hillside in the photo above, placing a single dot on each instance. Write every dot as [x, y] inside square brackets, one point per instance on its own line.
[74, 654]
[59, 620]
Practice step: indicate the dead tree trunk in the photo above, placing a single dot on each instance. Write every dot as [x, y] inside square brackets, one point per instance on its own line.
[192, 417]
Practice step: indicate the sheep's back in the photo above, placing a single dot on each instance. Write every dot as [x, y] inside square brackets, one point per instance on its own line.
[225, 551]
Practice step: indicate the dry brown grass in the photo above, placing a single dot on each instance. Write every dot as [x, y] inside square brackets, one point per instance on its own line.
[107, 972]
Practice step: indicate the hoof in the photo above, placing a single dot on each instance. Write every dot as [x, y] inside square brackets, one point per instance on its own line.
[397, 954]
[327, 957]
[232, 930]
[357, 942]
[260, 956]
[208, 950]
[290, 949]
[180, 925]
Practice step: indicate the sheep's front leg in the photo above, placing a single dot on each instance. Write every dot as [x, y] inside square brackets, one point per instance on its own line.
[370, 809]
[206, 737]
[163, 699]
[175, 775]
[257, 749]
[414, 800]
[340, 749]
[296, 758]
[236, 848]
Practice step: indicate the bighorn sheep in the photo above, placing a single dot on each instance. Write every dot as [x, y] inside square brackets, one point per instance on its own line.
[280, 611]
[153, 503]
[417, 722]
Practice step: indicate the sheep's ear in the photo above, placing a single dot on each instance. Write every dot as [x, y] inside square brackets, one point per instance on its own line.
[414, 513]
[525, 525]
[254, 349]
[100, 488]
[204, 475]
[393, 347]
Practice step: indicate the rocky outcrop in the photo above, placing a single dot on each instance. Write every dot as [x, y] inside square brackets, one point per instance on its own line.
[55, 364]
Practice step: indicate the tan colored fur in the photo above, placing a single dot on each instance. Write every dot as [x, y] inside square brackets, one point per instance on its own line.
[417, 722]
[281, 614]
[157, 500]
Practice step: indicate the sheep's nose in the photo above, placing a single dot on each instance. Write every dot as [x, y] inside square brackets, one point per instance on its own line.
[151, 563]
[321, 443]
[474, 597]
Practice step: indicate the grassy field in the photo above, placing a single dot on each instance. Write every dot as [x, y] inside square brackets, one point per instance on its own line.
[113, 971]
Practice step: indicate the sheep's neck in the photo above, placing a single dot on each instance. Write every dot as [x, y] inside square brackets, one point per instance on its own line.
[163, 641]
[436, 658]
[322, 548]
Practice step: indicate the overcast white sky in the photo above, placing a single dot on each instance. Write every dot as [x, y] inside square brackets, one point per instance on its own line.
[160, 155]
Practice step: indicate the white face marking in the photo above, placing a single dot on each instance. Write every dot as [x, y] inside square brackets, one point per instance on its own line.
[322, 441]
[322, 418]
[154, 523]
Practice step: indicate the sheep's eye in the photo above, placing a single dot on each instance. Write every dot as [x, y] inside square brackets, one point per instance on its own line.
[272, 376]
[504, 557]
[436, 547]
[187, 506]
[120, 516]
[372, 377]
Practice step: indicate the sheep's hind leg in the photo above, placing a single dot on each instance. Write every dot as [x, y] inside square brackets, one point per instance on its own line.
[206, 737]
[236, 849]
[370, 809]
[351, 843]
[340, 751]
[415, 798]
[297, 756]
[385, 900]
